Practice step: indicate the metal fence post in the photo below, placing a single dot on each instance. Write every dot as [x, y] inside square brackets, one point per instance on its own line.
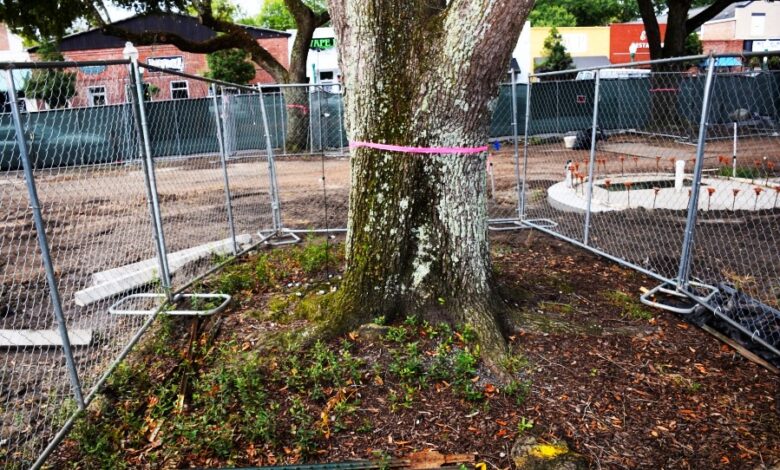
[276, 206]
[150, 179]
[43, 242]
[693, 209]
[311, 120]
[592, 163]
[557, 106]
[223, 161]
[319, 116]
[284, 112]
[515, 138]
[341, 118]
[525, 148]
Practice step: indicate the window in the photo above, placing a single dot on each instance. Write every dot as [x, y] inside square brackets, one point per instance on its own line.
[326, 75]
[97, 95]
[757, 24]
[180, 90]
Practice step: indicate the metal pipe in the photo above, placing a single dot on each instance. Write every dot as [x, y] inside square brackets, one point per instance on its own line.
[341, 119]
[147, 149]
[593, 138]
[276, 206]
[525, 149]
[64, 430]
[59, 65]
[557, 107]
[152, 68]
[43, 242]
[284, 113]
[515, 139]
[223, 161]
[276, 118]
[634, 64]
[693, 209]
[319, 116]
[311, 122]
[596, 251]
[221, 265]
[135, 107]
[734, 154]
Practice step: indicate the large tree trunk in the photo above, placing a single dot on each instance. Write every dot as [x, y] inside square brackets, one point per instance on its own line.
[421, 75]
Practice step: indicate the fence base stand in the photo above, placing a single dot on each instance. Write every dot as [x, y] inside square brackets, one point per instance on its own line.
[280, 237]
[670, 290]
[117, 309]
[508, 225]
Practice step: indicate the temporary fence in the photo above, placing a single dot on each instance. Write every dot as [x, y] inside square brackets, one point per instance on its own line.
[122, 185]
[673, 173]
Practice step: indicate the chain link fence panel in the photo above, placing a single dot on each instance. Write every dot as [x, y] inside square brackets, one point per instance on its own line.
[89, 181]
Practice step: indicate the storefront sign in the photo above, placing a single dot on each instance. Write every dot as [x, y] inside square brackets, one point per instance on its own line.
[321, 44]
[93, 69]
[175, 63]
[766, 45]
[622, 36]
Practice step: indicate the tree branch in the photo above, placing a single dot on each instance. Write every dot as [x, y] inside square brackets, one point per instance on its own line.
[652, 29]
[307, 21]
[692, 24]
[233, 37]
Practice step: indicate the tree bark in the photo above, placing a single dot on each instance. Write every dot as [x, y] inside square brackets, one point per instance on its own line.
[422, 74]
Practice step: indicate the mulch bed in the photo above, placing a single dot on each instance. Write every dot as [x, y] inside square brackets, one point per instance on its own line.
[623, 386]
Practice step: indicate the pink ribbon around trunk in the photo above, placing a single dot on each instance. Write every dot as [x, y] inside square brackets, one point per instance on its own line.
[420, 150]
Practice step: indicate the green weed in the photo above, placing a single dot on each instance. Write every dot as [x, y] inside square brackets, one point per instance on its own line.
[628, 304]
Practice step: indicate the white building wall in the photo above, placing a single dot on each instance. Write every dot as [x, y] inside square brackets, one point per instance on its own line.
[328, 60]
[319, 62]
[522, 53]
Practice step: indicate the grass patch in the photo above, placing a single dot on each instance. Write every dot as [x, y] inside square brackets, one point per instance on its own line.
[628, 304]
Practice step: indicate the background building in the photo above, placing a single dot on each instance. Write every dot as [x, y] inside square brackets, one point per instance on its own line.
[622, 36]
[322, 65]
[588, 46]
[96, 45]
[752, 26]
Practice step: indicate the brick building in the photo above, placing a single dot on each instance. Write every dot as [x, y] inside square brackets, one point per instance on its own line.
[97, 86]
[752, 26]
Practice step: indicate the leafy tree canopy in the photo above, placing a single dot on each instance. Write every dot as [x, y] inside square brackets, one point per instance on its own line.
[230, 66]
[592, 12]
[54, 87]
[35, 20]
[275, 15]
[552, 15]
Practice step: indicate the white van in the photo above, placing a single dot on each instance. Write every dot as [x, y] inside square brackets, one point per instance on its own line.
[613, 74]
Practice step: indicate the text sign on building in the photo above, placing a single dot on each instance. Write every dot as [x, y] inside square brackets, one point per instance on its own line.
[768, 45]
[175, 63]
[321, 44]
[623, 35]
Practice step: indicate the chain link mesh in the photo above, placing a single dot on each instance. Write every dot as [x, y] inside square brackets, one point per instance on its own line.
[625, 193]
[90, 184]
[641, 154]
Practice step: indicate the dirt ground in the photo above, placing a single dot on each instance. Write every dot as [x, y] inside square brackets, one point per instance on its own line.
[620, 385]
[97, 219]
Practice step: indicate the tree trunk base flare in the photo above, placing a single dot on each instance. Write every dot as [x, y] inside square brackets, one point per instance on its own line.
[422, 74]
